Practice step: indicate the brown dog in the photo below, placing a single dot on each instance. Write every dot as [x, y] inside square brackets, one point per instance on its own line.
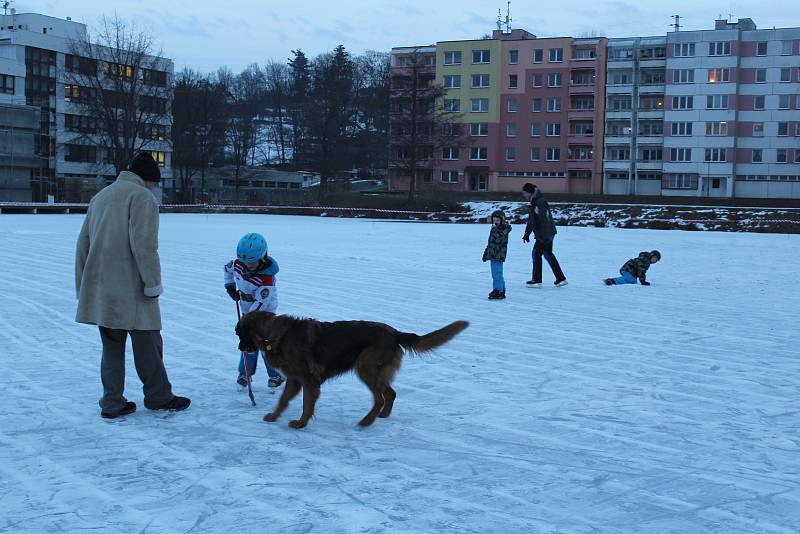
[309, 352]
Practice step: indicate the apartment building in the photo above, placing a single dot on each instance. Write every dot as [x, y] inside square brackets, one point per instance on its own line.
[527, 109]
[36, 69]
[634, 118]
[730, 121]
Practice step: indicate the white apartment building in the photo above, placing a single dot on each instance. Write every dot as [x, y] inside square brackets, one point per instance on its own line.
[36, 66]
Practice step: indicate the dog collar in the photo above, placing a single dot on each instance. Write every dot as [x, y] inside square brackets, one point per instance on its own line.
[267, 345]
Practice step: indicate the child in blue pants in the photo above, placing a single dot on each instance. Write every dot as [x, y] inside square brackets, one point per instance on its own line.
[495, 253]
[635, 268]
[250, 280]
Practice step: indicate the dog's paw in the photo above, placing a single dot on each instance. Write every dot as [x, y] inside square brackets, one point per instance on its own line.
[270, 417]
[297, 423]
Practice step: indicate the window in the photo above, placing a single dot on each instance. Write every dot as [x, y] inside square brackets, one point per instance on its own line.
[452, 81]
[538, 55]
[511, 129]
[556, 55]
[783, 129]
[80, 153]
[786, 74]
[651, 153]
[553, 154]
[719, 128]
[80, 123]
[586, 102]
[479, 129]
[452, 105]
[716, 155]
[480, 105]
[512, 105]
[513, 57]
[758, 155]
[719, 48]
[681, 154]
[511, 153]
[536, 105]
[761, 48]
[684, 49]
[679, 181]
[682, 102]
[80, 65]
[478, 153]
[782, 156]
[480, 80]
[618, 103]
[618, 153]
[537, 80]
[758, 102]
[585, 53]
[651, 127]
[758, 129]
[683, 76]
[620, 77]
[156, 132]
[536, 154]
[450, 153]
[761, 75]
[449, 177]
[153, 104]
[452, 58]
[536, 129]
[797, 155]
[786, 48]
[620, 54]
[161, 158]
[512, 81]
[6, 84]
[553, 105]
[784, 101]
[717, 102]
[583, 153]
[680, 129]
[554, 79]
[553, 129]
[480, 56]
[154, 77]
[719, 75]
[451, 129]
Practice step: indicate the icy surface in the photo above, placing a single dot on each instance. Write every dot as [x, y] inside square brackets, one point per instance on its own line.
[670, 408]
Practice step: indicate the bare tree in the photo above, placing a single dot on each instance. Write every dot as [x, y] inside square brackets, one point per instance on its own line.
[422, 121]
[198, 128]
[371, 113]
[121, 83]
[277, 93]
[245, 105]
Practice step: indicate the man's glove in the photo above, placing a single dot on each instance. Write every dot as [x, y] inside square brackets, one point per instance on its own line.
[645, 283]
[485, 255]
[231, 289]
[526, 239]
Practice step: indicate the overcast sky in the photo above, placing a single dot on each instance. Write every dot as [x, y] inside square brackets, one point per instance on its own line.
[205, 35]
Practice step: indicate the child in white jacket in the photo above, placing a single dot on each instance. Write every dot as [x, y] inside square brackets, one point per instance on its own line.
[250, 280]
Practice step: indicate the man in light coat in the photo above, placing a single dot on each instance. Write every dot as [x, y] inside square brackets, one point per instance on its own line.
[118, 281]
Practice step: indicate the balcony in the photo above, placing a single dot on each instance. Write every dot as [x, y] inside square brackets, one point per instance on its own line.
[580, 87]
[580, 138]
[580, 164]
[616, 164]
[649, 165]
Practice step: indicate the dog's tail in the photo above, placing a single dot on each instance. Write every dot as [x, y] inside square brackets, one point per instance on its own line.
[430, 341]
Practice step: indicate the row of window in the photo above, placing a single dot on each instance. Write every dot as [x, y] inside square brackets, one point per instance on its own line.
[481, 105]
[262, 183]
[554, 55]
[710, 155]
[481, 81]
[724, 75]
[88, 66]
[88, 154]
[482, 153]
[721, 102]
[83, 95]
[723, 48]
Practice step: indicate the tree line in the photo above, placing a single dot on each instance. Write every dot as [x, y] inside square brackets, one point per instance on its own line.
[328, 114]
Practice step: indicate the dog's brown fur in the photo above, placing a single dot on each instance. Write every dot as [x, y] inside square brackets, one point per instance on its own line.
[309, 352]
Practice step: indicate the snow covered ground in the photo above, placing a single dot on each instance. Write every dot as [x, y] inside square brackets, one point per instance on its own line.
[670, 408]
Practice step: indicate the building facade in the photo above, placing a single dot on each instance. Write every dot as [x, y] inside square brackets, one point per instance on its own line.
[19, 126]
[38, 69]
[526, 108]
[729, 125]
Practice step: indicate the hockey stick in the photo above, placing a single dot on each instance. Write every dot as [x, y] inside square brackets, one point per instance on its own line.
[244, 362]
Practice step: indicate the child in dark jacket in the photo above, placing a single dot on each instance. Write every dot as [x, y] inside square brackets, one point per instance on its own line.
[635, 268]
[495, 253]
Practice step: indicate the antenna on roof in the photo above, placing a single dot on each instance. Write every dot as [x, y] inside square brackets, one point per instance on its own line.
[6, 5]
[677, 23]
[506, 21]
